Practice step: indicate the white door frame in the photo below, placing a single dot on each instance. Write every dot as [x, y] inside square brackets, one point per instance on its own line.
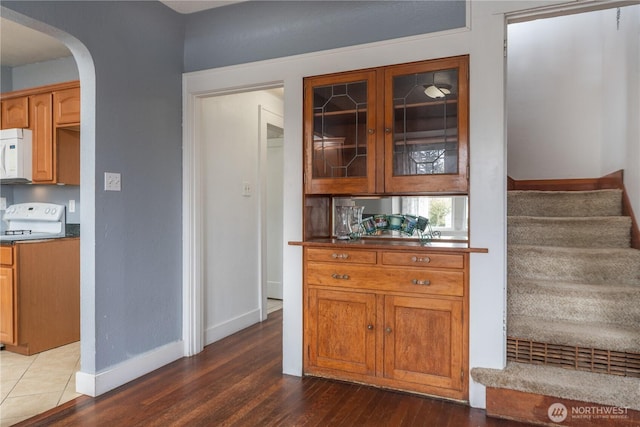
[265, 117]
[192, 224]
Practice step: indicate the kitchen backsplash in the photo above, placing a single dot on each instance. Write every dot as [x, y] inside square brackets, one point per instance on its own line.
[59, 194]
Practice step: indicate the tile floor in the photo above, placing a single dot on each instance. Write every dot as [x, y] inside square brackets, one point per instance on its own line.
[30, 385]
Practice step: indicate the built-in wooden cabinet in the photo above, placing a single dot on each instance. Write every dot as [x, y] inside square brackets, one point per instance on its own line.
[53, 114]
[386, 310]
[394, 129]
[7, 295]
[15, 113]
[388, 316]
[40, 294]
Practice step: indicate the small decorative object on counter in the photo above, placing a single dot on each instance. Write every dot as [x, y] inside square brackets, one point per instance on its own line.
[382, 223]
[356, 222]
[343, 222]
[369, 225]
[395, 222]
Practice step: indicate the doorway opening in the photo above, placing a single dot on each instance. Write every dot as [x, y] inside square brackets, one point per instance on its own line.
[73, 63]
[241, 229]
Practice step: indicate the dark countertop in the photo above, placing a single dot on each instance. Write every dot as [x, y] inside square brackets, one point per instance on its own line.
[72, 230]
[413, 245]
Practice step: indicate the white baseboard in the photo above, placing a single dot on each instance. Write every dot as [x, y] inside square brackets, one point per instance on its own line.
[231, 326]
[102, 382]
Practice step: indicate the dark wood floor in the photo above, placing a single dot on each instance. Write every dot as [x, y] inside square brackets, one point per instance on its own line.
[238, 382]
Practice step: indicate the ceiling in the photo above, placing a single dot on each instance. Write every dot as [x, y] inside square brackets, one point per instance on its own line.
[20, 45]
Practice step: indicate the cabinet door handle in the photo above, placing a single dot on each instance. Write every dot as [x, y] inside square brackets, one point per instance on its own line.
[388, 329]
[370, 327]
[421, 282]
[426, 259]
[387, 130]
[371, 131]
[340, 276]
[339, 256]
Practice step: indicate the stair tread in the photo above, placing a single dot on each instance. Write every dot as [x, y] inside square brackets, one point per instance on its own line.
[565, 203]
[563, 383]
[559, 286]
[605, 336]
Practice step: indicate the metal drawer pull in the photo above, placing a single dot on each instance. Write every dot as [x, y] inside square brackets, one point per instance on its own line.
[425, 259]
[388, 330]
[370, 327]
[340, 276]
[339, 256]
[421, 282]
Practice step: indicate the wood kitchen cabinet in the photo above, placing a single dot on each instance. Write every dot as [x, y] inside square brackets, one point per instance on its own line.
[52, 113]
[394, 129]
[41, 113]
[15, 113]
[66, 107]
[387, 316]
[40, 294]
[7, 295]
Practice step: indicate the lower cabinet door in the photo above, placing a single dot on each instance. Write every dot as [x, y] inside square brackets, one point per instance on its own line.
[423, 341]
[7, 314]
[341, 327]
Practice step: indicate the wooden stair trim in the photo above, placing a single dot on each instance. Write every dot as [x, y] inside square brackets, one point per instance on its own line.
[534, 408]
[614, 180]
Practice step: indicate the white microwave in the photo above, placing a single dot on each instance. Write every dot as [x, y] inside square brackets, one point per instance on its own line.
[15, 156]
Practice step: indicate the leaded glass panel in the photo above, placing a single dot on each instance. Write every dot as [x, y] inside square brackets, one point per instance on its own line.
[425, 123]
[339, 130]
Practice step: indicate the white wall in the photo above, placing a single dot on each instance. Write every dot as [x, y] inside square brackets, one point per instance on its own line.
[571, 101]
[484, 42]
[230, 132]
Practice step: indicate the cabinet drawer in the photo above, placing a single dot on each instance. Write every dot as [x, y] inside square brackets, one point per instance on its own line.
[414, 280]
[6, 255]
[341, 255]
[422, 259]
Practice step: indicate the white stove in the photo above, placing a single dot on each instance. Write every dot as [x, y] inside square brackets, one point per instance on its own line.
[34, 221]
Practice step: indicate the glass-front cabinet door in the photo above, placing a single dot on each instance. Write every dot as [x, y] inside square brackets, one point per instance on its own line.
[426, 127]
[339, 133]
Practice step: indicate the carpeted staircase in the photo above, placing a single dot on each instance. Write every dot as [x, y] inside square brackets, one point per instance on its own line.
[573, 299]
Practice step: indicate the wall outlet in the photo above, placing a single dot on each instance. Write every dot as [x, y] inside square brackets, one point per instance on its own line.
[72, 206]
[3, 203]
[111, 181]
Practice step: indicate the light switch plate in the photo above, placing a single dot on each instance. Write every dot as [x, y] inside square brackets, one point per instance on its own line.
[72, 206]
[112, 181]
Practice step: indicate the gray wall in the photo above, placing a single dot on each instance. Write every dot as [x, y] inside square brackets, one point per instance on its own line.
[137, 49]
[252, 31]
[44, 73]
[5, 79]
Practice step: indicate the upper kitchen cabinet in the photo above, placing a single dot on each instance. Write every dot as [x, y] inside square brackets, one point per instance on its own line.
[340, 133]
[42, 128]
[66, 107]
[399, 129]
[426, 127]
[15, 113]
[52, 113]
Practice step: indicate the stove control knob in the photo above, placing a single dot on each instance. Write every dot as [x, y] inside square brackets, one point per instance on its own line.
[47, 210]
[53, 211]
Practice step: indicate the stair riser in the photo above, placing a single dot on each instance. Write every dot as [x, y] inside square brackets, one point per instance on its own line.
[564, 204]
[622, 309]
[570, 234]
[590, 268]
